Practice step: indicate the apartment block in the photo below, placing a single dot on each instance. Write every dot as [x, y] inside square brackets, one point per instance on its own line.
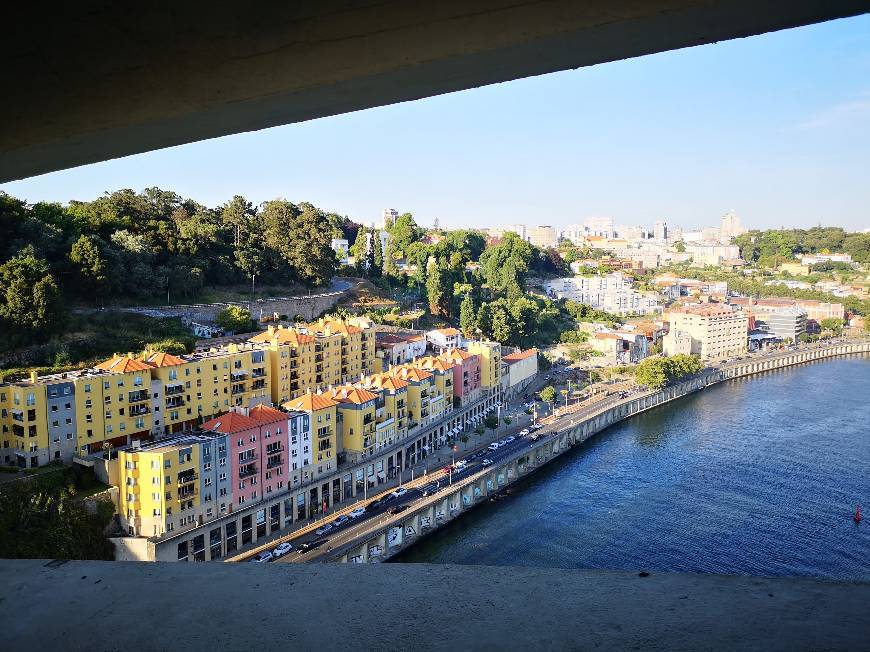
[716, 330]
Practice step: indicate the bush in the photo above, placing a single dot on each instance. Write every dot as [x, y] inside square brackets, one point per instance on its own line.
[234, 319]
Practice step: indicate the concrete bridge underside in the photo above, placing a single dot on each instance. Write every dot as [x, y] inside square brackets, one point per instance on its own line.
[92, 80]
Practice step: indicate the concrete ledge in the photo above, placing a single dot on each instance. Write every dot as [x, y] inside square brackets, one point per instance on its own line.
[138, 606]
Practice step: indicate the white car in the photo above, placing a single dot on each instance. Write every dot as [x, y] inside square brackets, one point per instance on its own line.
[486, 462]
[282, 549]
[494, 446]
[341, 520]
[398, 493]
[323, 529]
[356, 513]
[524, 432]
[508, 440]
[262, 557]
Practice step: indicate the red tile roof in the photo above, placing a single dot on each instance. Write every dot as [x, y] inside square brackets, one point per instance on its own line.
[310, 403]
[230, 423]
[264, 414]
[121, 364]
[510, 358]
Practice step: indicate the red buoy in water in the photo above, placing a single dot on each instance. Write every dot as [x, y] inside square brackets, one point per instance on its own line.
[858, 514]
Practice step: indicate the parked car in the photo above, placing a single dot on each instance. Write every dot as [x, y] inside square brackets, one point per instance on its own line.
[524, 432]
[282, 549]
[486, 462]
[341, 520]
[323, 529]
[262, 557]
[311, 545]
[356, 513]
[398, 493]
[494, 446]
[508, 440]
[398, 509]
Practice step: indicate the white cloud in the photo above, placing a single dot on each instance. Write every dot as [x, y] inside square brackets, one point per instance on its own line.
[850, 111]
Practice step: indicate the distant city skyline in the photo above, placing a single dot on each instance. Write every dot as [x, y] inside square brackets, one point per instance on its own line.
[774, 127]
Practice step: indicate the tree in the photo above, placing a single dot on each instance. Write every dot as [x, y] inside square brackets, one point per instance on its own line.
[311, 255]
[438, 288]
[87, 255]
[377, 267]
[30, 296]
[832, 324]
[505, 265]
[548, 395]
[680, 247]
[491, 422]
[466, 316]
[234, 319]
[405, 231]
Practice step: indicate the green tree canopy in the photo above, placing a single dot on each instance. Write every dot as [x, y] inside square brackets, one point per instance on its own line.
[235, 319]
[30, 299]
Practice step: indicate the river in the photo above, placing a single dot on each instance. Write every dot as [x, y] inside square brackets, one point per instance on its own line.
[757, 476]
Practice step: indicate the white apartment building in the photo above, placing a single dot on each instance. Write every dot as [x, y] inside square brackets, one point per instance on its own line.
[340, 247]
[519, 229]
[611, 292]
[711, 254]
[631, 233]
[660, 231]
[714, 330]
[388, 218]
[543, 236]
[574, 232]
[602, 226]
[731, 227]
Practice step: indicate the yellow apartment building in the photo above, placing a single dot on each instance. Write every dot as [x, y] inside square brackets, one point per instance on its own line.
[322, 454]
[356, 421]
[391, 407]
[490, 363]
[173, 484]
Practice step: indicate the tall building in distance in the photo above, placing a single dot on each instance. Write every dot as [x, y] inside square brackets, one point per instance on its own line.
[574, 232]
[543, 236]
[660, 231]
[731, 226]
[519, 229]
[601, 226]
[388, 218]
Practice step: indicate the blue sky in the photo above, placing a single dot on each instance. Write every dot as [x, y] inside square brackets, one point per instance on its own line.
[776, 127]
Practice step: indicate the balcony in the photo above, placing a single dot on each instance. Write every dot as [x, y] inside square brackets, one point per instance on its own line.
[175, 401]
[248, 471]
[186, 493]
[258, 384]
[258, 373]
[187, 478]
[237, 389]
[272, 462]
[272, 449]
[174, 389]
[139, 410]
[240, 375]
[138, 396]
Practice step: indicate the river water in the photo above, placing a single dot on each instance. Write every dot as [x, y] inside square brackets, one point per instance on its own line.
[758, 476]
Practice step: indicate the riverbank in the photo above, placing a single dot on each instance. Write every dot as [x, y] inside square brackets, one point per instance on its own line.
[389, 537]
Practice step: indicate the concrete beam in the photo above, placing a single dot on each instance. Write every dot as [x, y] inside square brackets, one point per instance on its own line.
[93, 80]
[131, 606]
